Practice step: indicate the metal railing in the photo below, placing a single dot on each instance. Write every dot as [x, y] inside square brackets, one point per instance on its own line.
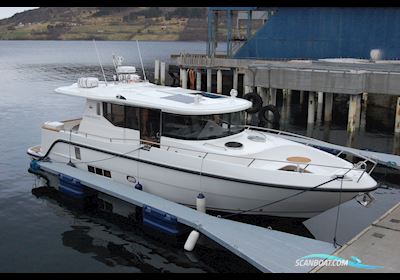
[361, 166]
[320, 143]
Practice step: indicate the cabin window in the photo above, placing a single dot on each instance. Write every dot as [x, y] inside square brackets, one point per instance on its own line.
[77, 153]
[107, 173]
[98, 109]
[99, 171]
[107, 111]
[121, 116]
[118, 115]
[131, 117]
[203, 127]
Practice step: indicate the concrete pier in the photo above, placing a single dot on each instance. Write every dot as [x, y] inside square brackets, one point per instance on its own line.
[324, 77]
[397, 120]
[162, 73]
[396, 144]
[184, 78]
[311, 107]
[363, 116]
[272, 96]
[263, 94]
[247, 89]
[301, 97]
[320, 104]
[288, 103]
[219, 81]
[157, 72]
[328, 106]
[198, 79]
[354, 113]
[235, 78]
[377, 245]
[209, 79]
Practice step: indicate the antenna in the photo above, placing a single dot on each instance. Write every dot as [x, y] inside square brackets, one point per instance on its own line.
[115, 67]
[98, 57]
[141, 61]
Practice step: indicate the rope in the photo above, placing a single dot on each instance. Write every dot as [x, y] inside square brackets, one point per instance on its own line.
[337, 214]
[280, 200]
[201, 173]
[69, 148]
[98, 160]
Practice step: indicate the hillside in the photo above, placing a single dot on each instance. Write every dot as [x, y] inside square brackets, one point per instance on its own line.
[107, 23]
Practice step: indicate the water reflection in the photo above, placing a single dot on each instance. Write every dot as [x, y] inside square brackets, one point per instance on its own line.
[119, 243]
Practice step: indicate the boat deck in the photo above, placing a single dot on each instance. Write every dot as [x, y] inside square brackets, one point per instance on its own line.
[268, 250]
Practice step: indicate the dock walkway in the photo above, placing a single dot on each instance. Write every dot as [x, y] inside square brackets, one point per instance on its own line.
[377, 245]
[268, 250]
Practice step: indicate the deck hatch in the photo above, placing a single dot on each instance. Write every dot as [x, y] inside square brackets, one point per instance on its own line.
[180, 98]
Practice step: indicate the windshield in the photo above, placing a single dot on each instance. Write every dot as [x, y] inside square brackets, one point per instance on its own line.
[203, 127]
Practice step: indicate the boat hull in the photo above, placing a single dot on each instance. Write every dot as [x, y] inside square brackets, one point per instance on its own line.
[222, 194]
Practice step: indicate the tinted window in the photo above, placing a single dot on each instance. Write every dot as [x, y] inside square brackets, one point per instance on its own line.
[132, 117]
[122, 116]
[107, 173]
[203, 127]
[107, 111]
[118, 115]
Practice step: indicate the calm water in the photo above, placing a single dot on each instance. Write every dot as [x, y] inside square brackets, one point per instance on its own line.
[40, 234]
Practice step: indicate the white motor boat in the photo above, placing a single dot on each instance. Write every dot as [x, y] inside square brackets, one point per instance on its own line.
[179, 142]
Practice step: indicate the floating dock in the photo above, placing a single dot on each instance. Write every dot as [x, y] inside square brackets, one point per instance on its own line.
[266, 249]
[377, 245]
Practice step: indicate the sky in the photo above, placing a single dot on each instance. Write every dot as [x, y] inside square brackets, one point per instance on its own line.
[6, 12]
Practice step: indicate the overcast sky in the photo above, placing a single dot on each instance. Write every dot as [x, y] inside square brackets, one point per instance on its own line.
[6, 12]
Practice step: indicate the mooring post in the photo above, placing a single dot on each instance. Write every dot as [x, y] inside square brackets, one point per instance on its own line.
[319, 107]
[219, 81]
[235, 77]
[246, 89]
[354, 113]
[301, 97]
[262, 91]
[180, 76]
[311, 107]
[198, 79]
[328, 106]
[162, 74]
[184, 78]
[364, 109]
[396, 143]
[272, 96]
[397, 120]
[209, 79]
[286, 95]
[157, 72]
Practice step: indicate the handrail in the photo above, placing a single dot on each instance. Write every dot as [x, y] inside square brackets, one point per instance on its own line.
[279, 132]
[219, 154]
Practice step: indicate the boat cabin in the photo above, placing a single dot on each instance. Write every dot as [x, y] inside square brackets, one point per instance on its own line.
[156, 111]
